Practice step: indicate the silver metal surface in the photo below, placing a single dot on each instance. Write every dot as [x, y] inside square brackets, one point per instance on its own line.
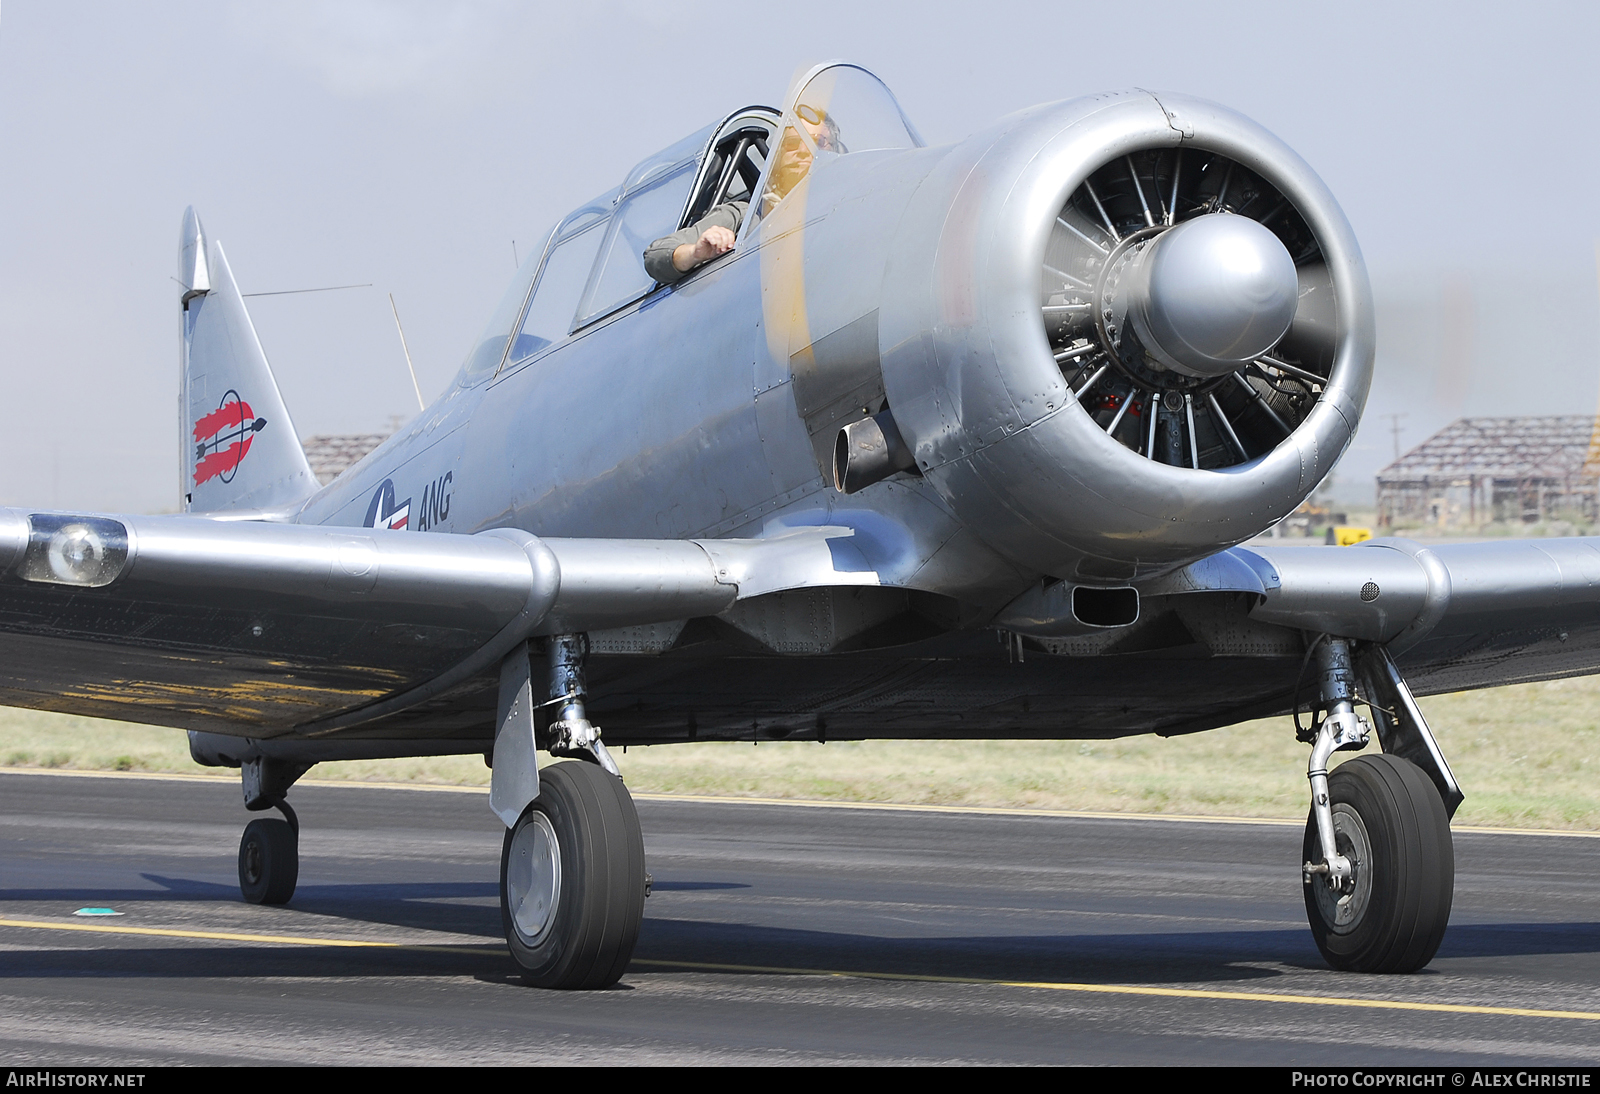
[1341, 728]
[241, 449]
[1213, 294]
[193, 274]
[615, 583]
[571, 732]
[1221, 419]
[514, 778]
[1043, 381]
[1111, 228]
[1320, 591]
[1402, 728]
[1056, 611]
[1344, 906]
[869, 451]
[1090, 382]
[984, 405]
[533, 878]
[1194, 443]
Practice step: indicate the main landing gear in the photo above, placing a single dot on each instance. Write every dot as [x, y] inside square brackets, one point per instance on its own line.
[572, 869]
[269, 852]
[1379, 865]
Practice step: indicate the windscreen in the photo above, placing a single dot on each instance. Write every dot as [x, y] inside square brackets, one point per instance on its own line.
[490, 348]
[555, 300]
[842, 109]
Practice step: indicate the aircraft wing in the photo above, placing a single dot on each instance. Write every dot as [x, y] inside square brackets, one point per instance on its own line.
[259, 629]
[1455, 617]
[262, 629]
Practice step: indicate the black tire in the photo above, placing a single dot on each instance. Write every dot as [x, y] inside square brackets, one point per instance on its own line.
[585, 938]
[1391, 822]
[269, 862]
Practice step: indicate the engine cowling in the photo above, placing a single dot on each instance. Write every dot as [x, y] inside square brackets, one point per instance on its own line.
[1123, 332]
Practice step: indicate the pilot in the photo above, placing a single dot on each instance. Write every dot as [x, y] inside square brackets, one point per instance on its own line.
[671, 257]
[794, 158]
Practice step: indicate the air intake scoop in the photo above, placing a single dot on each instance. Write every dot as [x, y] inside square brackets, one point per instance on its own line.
[1213, 294]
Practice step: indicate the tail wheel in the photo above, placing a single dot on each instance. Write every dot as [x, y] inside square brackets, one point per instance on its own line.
[1391, 823]
[269, 862]
[572, 880]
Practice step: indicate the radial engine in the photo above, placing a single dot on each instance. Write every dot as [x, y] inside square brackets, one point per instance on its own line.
[1120, 333]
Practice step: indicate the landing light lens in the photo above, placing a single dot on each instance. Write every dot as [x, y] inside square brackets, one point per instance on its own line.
[68, 550]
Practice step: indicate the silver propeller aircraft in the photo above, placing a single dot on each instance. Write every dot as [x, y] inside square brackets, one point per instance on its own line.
[951, 442]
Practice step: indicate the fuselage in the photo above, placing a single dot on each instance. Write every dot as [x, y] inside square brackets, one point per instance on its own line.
[680, 415]
[1004, 307]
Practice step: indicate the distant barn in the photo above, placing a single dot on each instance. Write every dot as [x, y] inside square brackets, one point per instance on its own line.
[331, 454]
[1477, 470]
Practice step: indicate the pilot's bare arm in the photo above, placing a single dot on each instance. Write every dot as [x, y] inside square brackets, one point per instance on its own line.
[715, 240]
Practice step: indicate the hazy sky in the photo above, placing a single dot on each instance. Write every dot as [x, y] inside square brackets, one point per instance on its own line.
[408, 144]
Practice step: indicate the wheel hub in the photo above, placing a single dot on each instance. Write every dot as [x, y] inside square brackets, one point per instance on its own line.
[1343, 908]
[533, 878]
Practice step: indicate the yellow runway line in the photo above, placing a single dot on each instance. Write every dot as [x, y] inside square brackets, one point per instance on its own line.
[196, 777]
[230, 936]
[1130, 989]
[708, 966]
[702, 966]
[970, 810]
[799, 803]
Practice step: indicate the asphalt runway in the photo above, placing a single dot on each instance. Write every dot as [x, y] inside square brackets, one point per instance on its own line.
[776, 934]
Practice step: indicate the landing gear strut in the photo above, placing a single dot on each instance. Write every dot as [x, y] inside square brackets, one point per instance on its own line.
[1379, 865]
[571, 733]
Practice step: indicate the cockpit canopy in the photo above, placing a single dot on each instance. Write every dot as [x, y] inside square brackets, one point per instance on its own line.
[839, 109]
[591, 264]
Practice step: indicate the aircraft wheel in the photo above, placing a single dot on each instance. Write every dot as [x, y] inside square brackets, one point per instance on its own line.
[572, 880]
[269, 862]
[1390, 822]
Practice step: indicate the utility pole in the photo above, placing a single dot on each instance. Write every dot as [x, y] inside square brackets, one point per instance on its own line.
[1591, 466]
[1396, 429]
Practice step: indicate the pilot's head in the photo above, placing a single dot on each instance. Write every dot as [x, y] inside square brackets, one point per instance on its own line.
[794, 155]
[820, 127]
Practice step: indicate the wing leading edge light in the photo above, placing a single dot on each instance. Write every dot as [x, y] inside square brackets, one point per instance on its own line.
[954, 442]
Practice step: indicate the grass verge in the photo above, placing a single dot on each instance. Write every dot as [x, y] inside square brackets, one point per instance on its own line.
[1526, 756]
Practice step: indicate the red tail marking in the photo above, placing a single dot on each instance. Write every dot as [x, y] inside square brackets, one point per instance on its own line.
[218, 462]
[228, 414]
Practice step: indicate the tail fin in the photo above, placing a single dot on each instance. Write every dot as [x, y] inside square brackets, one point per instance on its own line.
[240, 450]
